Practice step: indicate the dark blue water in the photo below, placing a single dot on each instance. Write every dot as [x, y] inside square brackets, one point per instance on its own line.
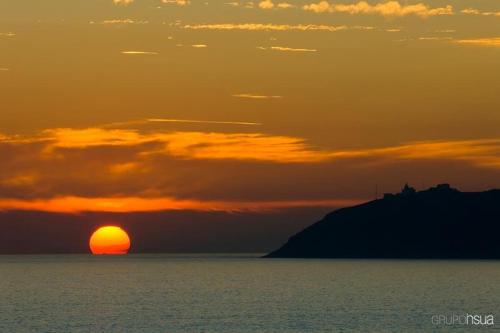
[228, 293]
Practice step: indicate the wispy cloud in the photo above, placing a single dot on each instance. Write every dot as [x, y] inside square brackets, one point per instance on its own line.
[259, 146]
[195, 46]
[471, 11]
[93, 137]
[269, 4]
[176, 2]
[285, 5]
[27, 179]
[497, 14]
[193, 145]
[256, 96]
[190, 121]
[266, 27]
[122, 2]
[4, 69]
[495, 42]
[431, 38]
[124, 21]
[474, 11]
[136, 204]
[389, 8]
[286, 49]
[135, 123]
[241, 146]
[481, 152]
[140, 52]
[7, 34]
[266, 4]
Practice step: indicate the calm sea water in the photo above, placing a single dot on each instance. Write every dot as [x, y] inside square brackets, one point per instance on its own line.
[228, 293]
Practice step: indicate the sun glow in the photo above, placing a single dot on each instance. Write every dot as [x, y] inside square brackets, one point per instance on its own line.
[109, 240]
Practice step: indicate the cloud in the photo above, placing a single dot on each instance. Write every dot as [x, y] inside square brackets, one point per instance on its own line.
[491, 14]
[140, 52]
[121, 170]
[494, 41]
[196, 46]
[260, 146]
[189, 145]
[285, 5]
[266, 27]
[19, 180]
[471, 11]
[177, 2]
[474, 11]
[389, 8]
[128, 170]
[269, 4]
[136, 204]
[92, 137]
[7, 34]
[161, 120]
[286, 49]
[482, 153]
[240, 146]
[266, 4]
[122, 2]
[139, 123]
[247, 4]
[435, 38]
[255, 96]
[123, 21]
[4, 69]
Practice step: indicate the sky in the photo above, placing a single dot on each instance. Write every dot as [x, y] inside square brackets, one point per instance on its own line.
[242, 108]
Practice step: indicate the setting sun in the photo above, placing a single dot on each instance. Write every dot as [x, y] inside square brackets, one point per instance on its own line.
[109, 240]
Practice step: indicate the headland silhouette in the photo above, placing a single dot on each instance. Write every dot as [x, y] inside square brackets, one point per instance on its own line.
[438, 223]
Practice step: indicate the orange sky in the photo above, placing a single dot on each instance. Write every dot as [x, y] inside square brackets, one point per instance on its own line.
[151, 105]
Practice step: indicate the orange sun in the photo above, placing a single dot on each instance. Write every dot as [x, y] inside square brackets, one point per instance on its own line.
[109, 240]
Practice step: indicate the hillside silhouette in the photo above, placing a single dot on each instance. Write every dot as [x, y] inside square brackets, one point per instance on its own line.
[438, 223]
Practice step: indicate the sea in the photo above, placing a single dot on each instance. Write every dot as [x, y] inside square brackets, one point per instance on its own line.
[244, 293]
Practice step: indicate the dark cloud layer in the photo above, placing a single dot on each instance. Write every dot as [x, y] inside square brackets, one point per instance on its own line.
[190, 169]
[187, 231]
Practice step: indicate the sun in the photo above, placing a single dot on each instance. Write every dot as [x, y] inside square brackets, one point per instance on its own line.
[109, 240]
